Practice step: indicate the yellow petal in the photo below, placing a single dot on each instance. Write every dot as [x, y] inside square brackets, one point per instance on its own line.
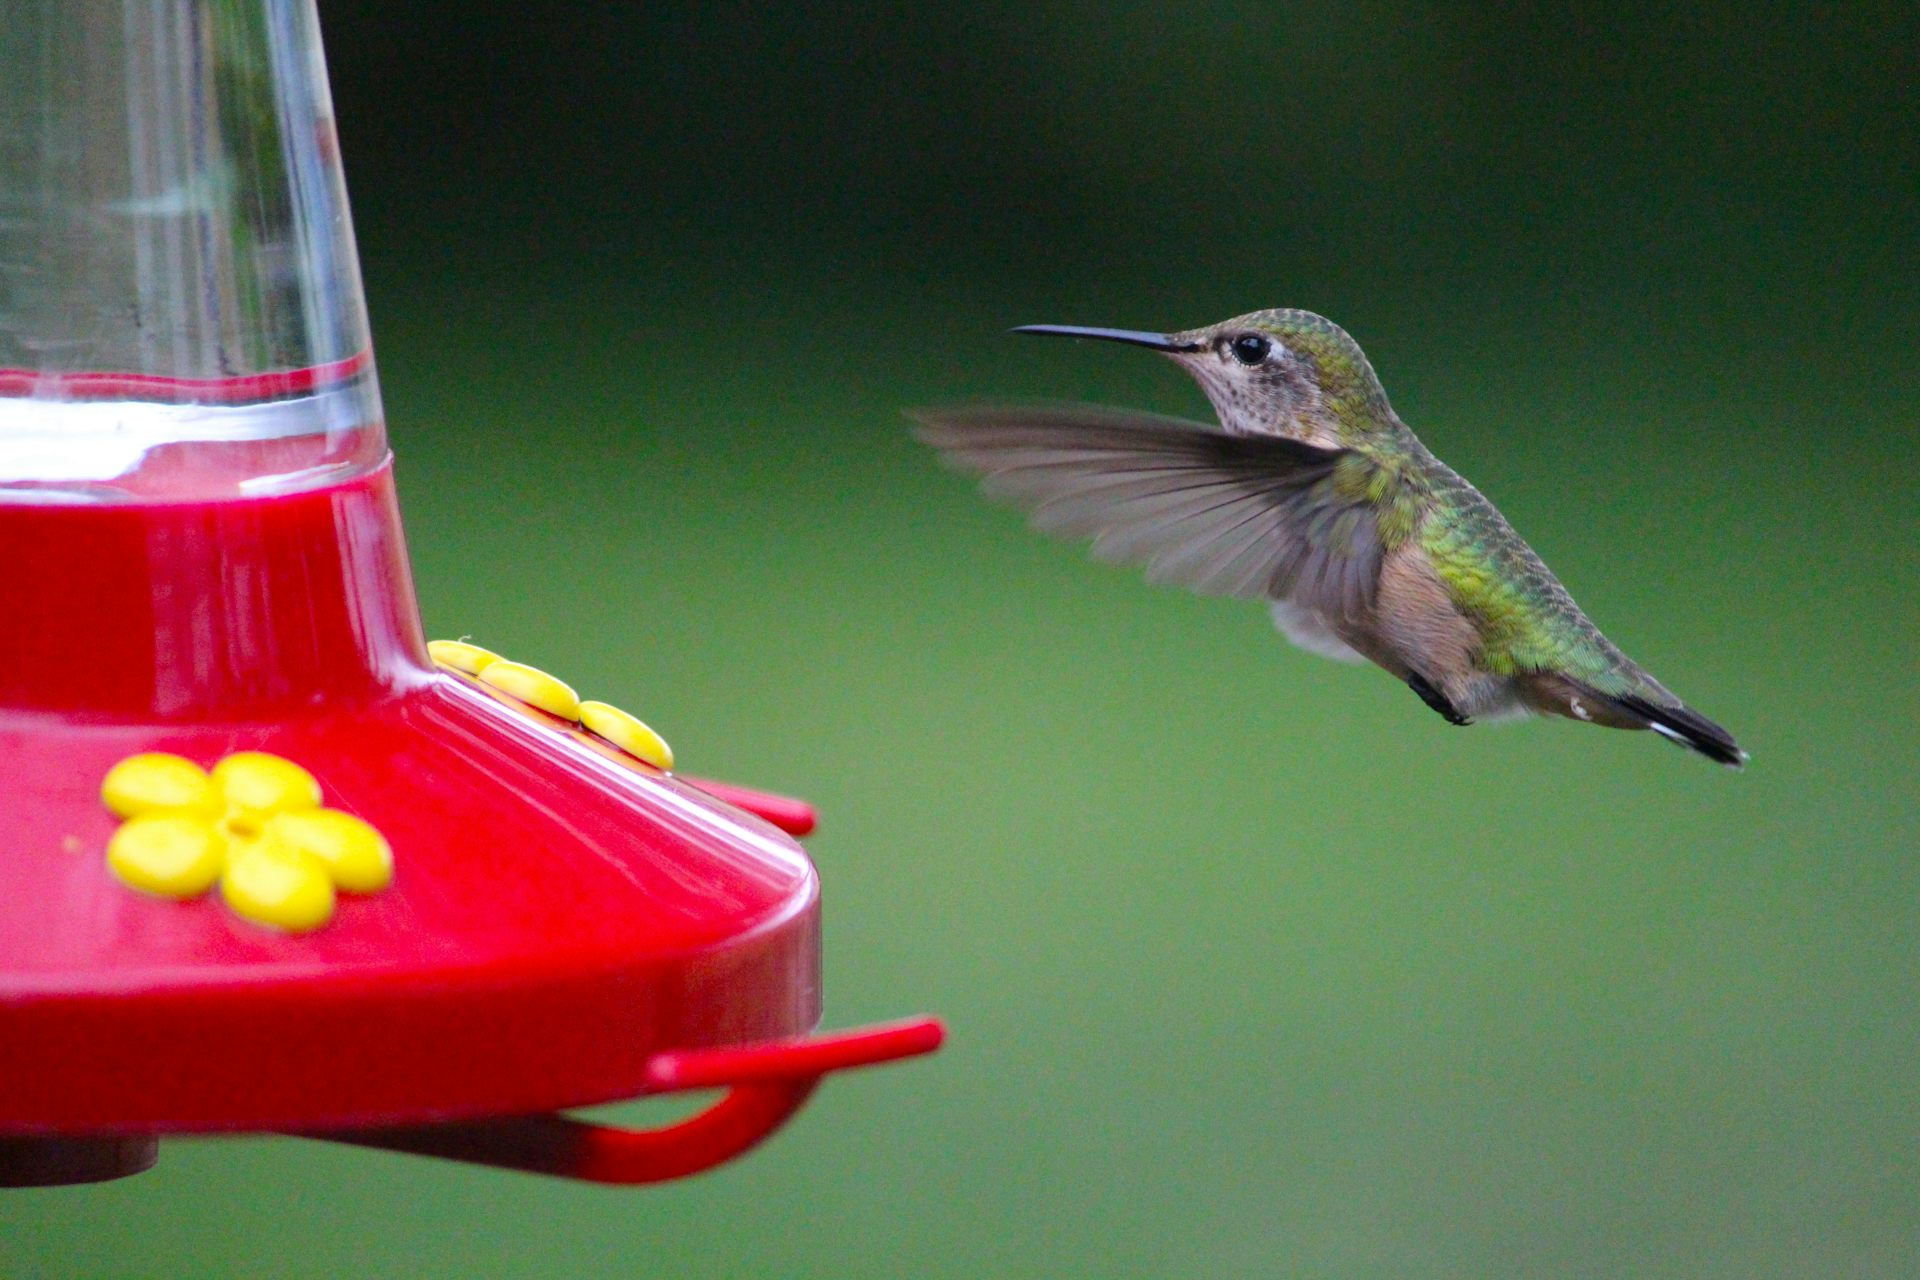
[461, 656]
[156, 781]
[628, 732]
[352, 852]
[278, 889]
[172, 854]
[534, 687]
[256, 784]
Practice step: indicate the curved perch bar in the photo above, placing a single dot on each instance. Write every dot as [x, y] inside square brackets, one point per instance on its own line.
[766, 1084]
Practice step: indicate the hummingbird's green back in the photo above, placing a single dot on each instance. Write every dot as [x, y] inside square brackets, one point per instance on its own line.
[1527, 620]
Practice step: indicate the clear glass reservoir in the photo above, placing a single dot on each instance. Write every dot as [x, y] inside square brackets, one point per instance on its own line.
[180, 307]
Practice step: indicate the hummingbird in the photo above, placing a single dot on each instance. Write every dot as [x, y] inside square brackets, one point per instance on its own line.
[1312, 495]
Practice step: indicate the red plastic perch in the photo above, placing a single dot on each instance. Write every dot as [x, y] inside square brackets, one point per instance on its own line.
[795, 817]
[766, 1084]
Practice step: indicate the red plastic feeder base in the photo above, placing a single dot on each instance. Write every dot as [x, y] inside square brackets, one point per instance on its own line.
[566, 925]
[65, 1162]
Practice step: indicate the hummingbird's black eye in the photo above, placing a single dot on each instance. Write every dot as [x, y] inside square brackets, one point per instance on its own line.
[1251, 348]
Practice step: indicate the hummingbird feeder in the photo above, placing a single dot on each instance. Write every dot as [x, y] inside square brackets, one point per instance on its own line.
[273, 862]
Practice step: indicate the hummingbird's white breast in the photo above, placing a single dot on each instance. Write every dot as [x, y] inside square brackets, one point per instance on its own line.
[1309, 629]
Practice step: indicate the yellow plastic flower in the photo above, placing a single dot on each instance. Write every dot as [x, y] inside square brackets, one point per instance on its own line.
[556, 697]
[254, 824]
[174, 855]
[461, 656]
[265, 886]
[626, 731]
[534, 687]
[356, 857]
[158, 782]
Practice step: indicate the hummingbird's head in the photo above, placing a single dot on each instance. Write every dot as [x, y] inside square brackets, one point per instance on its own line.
[1289, 373]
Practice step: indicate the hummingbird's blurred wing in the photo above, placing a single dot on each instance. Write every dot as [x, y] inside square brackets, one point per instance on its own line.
[1261, 517]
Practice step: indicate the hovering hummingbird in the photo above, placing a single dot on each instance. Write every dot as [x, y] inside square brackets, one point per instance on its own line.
[1313, 495]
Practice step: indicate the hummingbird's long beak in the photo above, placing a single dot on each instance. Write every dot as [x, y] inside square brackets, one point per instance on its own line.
[1152, 341]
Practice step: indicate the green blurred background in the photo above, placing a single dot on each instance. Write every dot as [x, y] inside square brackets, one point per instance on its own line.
[1253, 966]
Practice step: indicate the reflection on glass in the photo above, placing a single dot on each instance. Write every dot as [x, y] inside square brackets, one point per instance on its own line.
[180, 305]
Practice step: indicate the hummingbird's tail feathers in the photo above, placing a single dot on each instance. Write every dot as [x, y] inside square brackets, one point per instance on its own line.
[1684, 725]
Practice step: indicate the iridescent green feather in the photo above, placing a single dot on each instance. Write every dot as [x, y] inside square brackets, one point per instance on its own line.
[1526, 619]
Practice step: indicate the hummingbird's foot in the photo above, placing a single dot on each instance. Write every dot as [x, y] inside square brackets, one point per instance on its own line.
[1435, 699]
